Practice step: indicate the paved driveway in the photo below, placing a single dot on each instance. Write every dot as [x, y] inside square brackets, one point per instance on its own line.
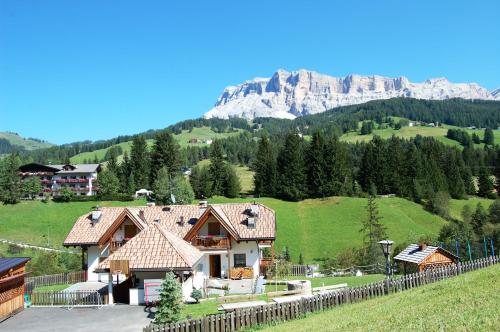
[116, 318]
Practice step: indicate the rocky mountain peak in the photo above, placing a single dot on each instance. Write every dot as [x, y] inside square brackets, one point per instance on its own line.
[291, 94]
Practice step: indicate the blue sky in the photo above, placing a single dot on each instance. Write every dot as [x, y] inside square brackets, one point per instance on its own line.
[75, 70]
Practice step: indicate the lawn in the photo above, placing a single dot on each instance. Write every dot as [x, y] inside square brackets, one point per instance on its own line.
[202, 134]
[468, 302]
[45, 224]
[456, 205]
[53, 288]
[321, 228]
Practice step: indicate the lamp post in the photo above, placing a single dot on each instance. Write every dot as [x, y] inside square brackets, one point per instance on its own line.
[386, 249]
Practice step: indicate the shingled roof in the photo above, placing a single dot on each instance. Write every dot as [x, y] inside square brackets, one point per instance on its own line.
[84, 232]
[155, 249]
[414, 254]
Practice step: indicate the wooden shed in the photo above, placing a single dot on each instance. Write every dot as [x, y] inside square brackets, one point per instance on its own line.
[423, 257]
[12, 273]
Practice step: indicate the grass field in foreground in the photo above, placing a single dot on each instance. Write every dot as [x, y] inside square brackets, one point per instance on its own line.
[45, 224]
[210, 306]
[468, 302]
[321, 228]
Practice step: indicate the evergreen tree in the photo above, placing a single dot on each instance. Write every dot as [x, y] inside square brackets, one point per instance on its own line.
[165, 153]
[476, 139]
[456, 187]
[32, 187]
[167, 188]
[200, 182]
[265, 169]
[485, 184]
[411, 170]
[489, 138]
[170, 306]
[108, 184]
[316, 166]
[367, 128]
[125, 175]
[232, 186]
[478, 220]
[372, 229]
[139, 162]
[291, 175]
[217, 169]
[338, 169]
[494, 212]
[10, 182]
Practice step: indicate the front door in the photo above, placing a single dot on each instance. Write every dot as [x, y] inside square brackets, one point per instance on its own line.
[215, 266]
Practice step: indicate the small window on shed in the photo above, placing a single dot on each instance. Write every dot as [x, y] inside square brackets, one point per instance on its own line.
[240, 260]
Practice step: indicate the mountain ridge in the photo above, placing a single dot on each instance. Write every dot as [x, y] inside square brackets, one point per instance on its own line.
[304, 92]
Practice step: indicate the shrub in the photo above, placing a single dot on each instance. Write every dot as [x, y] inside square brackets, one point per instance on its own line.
[196, 294]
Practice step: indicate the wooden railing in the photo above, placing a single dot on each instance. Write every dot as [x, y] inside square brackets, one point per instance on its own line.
[211, 242]
[273, 313]
[115, 245]
[53, 279]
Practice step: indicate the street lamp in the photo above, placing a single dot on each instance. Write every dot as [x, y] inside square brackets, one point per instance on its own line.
[386, 249]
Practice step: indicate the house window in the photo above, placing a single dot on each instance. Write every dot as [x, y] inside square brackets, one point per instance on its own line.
[240, 260]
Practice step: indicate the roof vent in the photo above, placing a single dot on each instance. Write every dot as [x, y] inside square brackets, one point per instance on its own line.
[157, 220]
[254, 210]
[96, 214]
[167, 209]
[251, 222]
[203, 203]
[141, 215]
[422, 246]
[181, 221]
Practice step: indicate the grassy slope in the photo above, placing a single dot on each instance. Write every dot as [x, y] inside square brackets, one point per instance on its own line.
[456, 205]
[322, 228]
[465, 303]
[30, 222]
[202, 133]
[407, 132]
[28, 144]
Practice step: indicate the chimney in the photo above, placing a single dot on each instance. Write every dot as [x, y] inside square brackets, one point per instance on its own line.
[422, 246]
[203, 206]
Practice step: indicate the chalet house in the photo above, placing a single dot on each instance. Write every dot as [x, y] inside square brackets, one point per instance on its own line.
[197, 242]
[80, 178]
[12, 273]
[423, 257]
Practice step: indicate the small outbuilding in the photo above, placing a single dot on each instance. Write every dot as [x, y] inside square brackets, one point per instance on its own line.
[423, 257]
[12, 273]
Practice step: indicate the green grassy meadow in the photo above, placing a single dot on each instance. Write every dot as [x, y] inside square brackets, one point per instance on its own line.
[45, 224]
[244, 173]
[439, 133]
[201, 133]
[321, 228]
[28, 144]
[456, 205]
[351, 281]
[468, 302]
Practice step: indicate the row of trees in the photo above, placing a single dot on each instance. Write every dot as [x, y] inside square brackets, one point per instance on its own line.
[416, 168]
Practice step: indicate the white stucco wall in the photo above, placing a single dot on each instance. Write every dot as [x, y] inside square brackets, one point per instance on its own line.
[251, 250]
[93, 254]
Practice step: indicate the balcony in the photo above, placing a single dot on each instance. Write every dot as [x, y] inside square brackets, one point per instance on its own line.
[211, 242]
[115, 245]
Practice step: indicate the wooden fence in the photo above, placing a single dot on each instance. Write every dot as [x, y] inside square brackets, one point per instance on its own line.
[274, 312]
[53, 279]
[63, 298]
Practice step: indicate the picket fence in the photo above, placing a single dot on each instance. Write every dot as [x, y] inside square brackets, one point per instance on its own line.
[274, 312]
[53, 279]
[64, 298]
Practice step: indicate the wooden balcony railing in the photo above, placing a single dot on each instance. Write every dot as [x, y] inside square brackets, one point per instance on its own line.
[211, 242]
[115, 245]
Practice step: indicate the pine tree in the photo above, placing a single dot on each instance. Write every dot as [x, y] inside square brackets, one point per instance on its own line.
[338, 170]
[32, 187]
[291, 175]
[456, 186]
[200, 182]
[232, 185]
[489, 138]
[494, 212]
[485, 184]
[170, 306]
[372, 229]
[316, 166]
[10, 182]
[265, 169]
[108, 184]
[166, 186]
[217, 169]
[478, 220]
[165, 153]
[139, 162]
